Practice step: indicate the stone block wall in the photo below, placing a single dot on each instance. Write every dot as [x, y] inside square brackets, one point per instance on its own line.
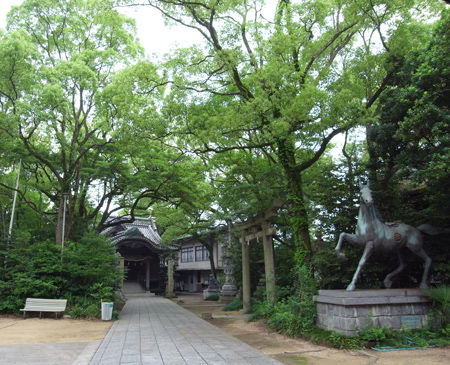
[348, 312]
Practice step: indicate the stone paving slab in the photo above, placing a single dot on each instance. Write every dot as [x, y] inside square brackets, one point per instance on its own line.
[67, 353]
[155, 330]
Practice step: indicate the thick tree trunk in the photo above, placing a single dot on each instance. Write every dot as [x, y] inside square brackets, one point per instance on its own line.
[269, 263]
[208, 242]
[300, 224]
[300, 217]
[210, 248]
[59, 222]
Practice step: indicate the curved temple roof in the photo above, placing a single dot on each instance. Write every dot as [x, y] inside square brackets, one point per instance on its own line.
[141, 229]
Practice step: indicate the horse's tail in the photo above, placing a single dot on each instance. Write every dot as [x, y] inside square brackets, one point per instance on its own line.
[432, 230]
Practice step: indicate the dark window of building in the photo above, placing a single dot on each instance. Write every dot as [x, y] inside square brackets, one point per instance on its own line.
[201, 253]
[187, 254]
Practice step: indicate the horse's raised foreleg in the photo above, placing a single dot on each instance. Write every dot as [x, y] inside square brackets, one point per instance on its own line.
[421, 253]
[367, 252]
[351, 238]
[387, 280]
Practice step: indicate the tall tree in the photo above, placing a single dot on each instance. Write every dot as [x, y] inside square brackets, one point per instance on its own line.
[160, 174]
[281, 88]
[409, 143]
[54, 119]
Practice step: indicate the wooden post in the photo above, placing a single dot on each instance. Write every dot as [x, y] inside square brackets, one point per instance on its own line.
[147, 275]
[245, 273]
[269, 262]
[169, 289]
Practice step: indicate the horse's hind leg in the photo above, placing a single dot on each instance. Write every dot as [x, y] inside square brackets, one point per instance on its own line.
[421, 253]
[387, 280]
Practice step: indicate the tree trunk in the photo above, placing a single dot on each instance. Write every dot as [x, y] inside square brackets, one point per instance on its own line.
[210, 247]
[208, 242]
[300, 224]
[59, 222]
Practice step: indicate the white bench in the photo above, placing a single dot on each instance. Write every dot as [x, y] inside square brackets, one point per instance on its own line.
[44, 305]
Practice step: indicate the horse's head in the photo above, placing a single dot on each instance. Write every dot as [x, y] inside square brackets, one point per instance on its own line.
[366, 195]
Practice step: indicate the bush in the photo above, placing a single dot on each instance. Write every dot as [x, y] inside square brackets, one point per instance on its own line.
[440, 306]
[212, 297]
[404, 338]
[294, 315]
[86, 273]
[234, 305]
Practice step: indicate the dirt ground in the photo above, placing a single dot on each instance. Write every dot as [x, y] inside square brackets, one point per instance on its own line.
[16, 330]
[292, 351]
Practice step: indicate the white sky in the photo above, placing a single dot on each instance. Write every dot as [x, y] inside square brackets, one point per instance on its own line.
[154, 36]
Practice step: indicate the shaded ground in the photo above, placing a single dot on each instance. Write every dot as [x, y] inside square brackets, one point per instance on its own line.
[292, 351]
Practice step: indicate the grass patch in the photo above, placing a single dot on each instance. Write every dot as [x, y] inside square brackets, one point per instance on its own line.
[300, 360]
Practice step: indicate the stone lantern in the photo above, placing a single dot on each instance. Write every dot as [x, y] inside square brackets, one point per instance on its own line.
[229, 290]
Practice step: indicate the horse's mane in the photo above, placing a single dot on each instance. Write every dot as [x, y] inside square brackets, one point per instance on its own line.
[377, 213]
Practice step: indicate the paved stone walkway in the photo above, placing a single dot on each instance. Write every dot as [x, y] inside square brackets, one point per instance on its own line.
[66, 353]
[154, 330]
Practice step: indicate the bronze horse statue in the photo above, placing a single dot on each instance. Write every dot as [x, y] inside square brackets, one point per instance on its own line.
[374, 235]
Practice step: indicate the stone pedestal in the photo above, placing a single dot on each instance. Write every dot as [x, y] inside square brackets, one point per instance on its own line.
[349, 311]
[208, 292]
[228, 293]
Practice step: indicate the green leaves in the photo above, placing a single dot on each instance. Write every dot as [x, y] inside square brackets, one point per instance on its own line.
[87, 268]
[58, 58]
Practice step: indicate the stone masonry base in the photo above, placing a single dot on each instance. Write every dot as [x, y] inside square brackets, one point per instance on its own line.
[349, 311]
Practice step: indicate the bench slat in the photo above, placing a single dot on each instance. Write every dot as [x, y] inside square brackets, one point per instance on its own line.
[57, 305]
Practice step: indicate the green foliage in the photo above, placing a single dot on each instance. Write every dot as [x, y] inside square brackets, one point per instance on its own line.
[234, 305]
[410, 141]
[334, 339]
[213, 297]
[296, 314]
[407, 337]
[83, 307]
[404, 338]
[85, 274]
[409, 144]
[290, 317]
[374, 334]
[440, 306]
[91, 266]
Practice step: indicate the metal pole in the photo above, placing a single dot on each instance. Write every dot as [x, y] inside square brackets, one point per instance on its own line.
[11, 221]
[63, 229]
